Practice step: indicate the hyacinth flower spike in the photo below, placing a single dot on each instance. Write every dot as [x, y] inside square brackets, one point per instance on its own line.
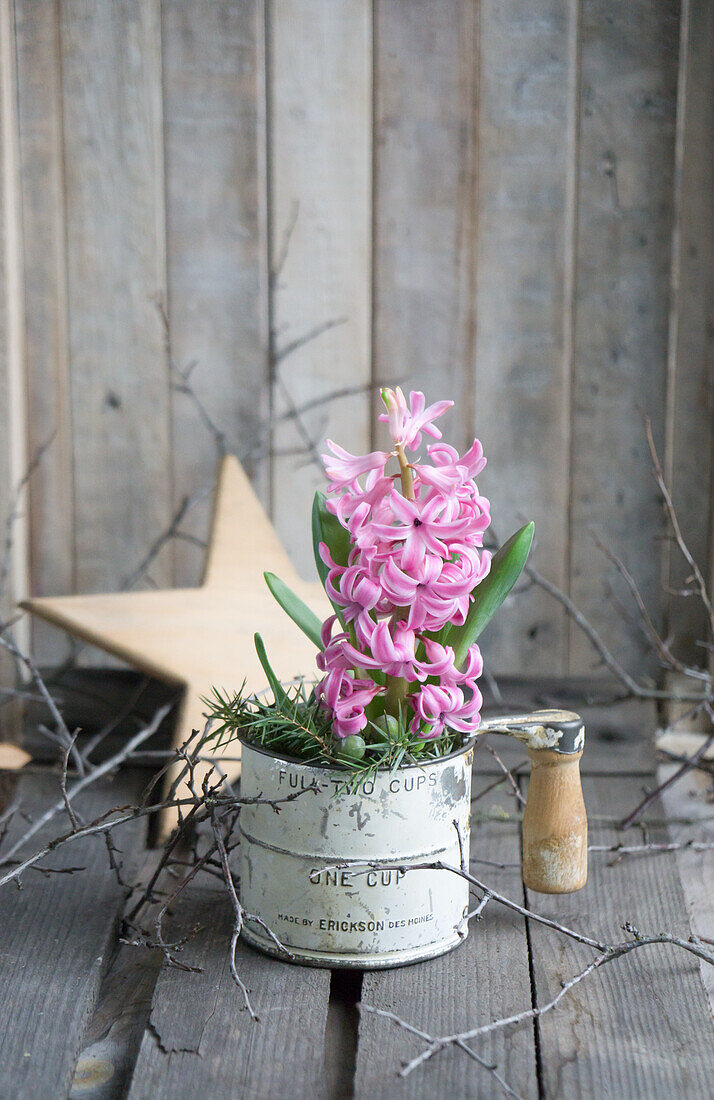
[400, 553]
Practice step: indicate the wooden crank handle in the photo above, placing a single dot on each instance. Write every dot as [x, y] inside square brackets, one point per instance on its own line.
[555, 825]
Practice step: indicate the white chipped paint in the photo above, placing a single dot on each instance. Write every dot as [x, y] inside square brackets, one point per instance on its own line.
[535, 734]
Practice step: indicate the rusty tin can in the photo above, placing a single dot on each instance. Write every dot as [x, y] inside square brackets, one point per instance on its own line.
[329, 874]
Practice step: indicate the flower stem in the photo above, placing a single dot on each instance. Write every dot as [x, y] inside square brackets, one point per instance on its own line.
[397, 686]
[395, 695]
[406, 473]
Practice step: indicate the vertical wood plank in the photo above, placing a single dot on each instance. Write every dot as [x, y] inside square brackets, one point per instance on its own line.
[13, 425]
[111, 82]
[57, 935]
[690, 412]
[425, 78]
[688, 799]
[522, 396]
[45, 300]
[625, 175]
[320, 64]
[202, 1041]
[214, 90]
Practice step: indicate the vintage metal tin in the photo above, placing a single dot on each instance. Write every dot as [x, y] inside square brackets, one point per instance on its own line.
[329, 874]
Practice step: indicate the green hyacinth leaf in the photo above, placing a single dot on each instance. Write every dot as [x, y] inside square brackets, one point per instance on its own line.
[328, 529]
[506, 567]
[293, 606]
[279, 693]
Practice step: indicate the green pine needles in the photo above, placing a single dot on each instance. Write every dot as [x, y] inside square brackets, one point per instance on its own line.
[292, 724]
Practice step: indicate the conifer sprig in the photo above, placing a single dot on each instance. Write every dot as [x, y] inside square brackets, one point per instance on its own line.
[296, 726]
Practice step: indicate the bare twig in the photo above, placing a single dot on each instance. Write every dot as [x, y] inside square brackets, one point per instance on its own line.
[313, 333]
[701, 765]
[277, 268]
[665, 653]
[120, 815]
[62, 734]
[15, 505]
[606, 953]
[649, 798]
[640, 691]
[644, 849]
[442, 865]
[500, 781]
[71, 813]
[102, 769]
[171, 532]
[507, 775]
[698, 578]
[181, 383]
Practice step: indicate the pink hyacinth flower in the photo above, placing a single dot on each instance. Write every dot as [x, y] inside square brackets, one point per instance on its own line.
[354, 590]
[443, 456]
[438, 593]
[343, 469]
[421, 528]
[440, 662]
[438, 706]
[392, 649]
[433, 705]
[407, 422]
[346, 696]
[349, 710]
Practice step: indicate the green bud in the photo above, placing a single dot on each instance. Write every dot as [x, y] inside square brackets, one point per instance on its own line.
[389, 724]
[352, 748]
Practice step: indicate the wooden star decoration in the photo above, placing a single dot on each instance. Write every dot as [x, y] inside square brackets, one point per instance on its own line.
[203, 637]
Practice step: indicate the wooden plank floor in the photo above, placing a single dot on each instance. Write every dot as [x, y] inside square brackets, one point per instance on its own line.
[641, 1027]
[56, 938]
[201, 1041]
[485, 978]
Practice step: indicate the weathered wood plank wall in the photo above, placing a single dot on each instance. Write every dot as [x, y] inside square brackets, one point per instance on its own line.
[690, 404]
[14, 539]
[216, 232]
[319, 146]
[506, 204]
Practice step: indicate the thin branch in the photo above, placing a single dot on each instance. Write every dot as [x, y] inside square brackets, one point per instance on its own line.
[71, 813]
[237, 913]
[643, 849]
[102, 769]
[183, 385]
[62, 733]
[307, 337]
[507, 775]
[14, 510]
[277, 269]
[699, 581]
[171, 532]
[607, 954]
[640, 691]
[107, 821]
[109, 727]
[651, 632]
[701, 765]
[441, 865]
[500, 781]
[650, 798]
